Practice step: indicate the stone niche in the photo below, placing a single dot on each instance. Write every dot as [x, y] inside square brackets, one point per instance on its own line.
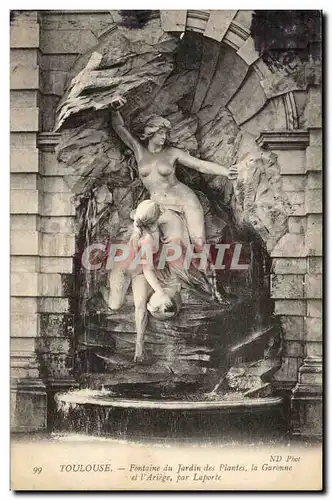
[200, 86]
[200, 70]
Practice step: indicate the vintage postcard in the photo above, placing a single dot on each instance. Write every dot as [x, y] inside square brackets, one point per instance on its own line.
[166, 250]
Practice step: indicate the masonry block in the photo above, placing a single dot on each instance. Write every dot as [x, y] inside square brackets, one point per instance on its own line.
[313, 286]
[291, 162]
[58, 245]
[173, 20]
[296, 200]
[285, 307]
[24, 263]
[50, 166]
[24, 201]
[24, 284]
[24, 243]
[314, 308]
[27, 305]
[23, 141]
[24, 35]
[287, 286]
[289, 266]
[314, 160]
[297, 225]
[55, 185]
[53, 305]
[314, 201]
[292, 327]
[293, 182]
[288, 371]
[314, 348]
[23, 222]
[218, 23]
[316, 137]
[294, 349]
[57, 204]
[56, 265]
[24, 120]
[315, 265]
[23, 98]
[57, 224]
[313, 111]
[51, 285]
[57, 325]
[23, 181]
[313, 329]
[24, 77]
[70, 42]
[290, 245]
[24, 325]
[247, 51]
[314, 180]
[24, 57]
[24, 160]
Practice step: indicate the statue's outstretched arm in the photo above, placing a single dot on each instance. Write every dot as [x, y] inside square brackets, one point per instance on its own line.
[121, 130]
[130, 141]
[205, 167]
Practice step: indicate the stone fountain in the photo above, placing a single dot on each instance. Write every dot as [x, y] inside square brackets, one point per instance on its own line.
[212, 365]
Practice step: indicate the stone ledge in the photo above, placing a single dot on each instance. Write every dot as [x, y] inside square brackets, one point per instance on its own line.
[283, 140]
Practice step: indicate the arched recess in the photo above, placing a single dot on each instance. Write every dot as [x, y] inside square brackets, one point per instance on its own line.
[221, 91]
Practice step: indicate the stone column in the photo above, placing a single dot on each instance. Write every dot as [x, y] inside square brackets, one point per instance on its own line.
[28, 395]
[289, 254]
[307, 401]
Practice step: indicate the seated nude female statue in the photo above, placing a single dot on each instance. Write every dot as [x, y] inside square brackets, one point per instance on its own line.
[156, 166]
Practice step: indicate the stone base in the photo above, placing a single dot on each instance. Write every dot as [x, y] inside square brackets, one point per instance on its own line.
[28, 405]
[307, 400]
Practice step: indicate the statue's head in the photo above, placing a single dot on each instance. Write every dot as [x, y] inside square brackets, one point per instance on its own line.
[156, 130]
[145, 219]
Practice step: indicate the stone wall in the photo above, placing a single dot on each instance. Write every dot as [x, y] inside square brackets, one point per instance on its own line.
[285, 116]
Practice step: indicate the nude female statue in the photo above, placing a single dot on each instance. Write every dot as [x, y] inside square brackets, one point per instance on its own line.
[156, 166]
[146, 232]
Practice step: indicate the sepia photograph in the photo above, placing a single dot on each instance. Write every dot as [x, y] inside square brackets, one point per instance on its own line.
[166, 250]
